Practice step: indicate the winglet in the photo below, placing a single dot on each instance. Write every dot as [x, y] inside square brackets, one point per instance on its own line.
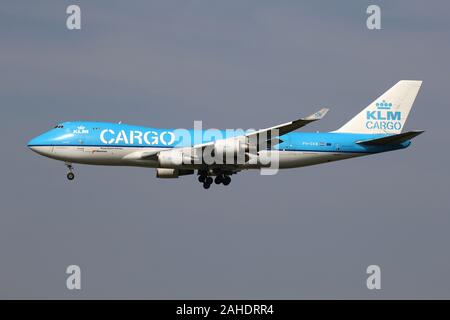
[317, 115]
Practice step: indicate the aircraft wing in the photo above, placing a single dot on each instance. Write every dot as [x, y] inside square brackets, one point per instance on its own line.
[271, 137]
[272, 133]
[292, 125]
[281, 129]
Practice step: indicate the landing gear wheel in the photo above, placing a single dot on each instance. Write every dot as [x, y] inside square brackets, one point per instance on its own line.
[226, 180]
[201, 178]
[209, 180]
[206, 185]
[70, 174]
[218, 179]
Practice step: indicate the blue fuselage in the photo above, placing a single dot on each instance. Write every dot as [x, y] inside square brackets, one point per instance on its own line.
[103, 134]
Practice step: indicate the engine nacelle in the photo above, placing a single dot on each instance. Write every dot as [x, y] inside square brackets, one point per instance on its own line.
[173, 159]
[165, 173]
[231, 147]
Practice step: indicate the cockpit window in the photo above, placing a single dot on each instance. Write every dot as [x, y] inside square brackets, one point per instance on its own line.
[59, 126]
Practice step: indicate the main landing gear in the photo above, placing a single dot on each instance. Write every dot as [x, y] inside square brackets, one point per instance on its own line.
[224, 179]
[207, 181]
[70, 174]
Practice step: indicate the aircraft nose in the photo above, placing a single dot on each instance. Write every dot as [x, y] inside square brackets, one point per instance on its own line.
[32, 144]
[37, 145]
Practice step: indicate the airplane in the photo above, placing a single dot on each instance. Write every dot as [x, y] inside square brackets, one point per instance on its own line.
[175, 153]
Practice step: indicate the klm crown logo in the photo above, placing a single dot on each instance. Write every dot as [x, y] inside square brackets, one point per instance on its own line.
[81, 130]
[383, 117]
[383, 105]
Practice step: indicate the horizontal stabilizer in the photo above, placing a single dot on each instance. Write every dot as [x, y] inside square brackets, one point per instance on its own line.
[392, 139]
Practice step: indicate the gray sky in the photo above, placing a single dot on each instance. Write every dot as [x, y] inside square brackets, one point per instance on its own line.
[304, 233]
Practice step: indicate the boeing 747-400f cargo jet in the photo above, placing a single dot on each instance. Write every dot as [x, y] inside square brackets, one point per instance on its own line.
[178, 152]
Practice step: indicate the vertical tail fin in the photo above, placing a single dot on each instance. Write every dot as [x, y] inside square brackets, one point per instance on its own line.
[388, 113]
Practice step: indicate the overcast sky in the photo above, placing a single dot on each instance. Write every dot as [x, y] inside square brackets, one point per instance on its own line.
[304, 233]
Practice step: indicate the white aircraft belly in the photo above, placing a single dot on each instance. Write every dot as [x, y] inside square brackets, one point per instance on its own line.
[116, 156]
[294, 159]
[111, 156]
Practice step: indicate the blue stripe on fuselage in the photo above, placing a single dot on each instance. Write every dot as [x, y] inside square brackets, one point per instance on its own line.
[103, 134]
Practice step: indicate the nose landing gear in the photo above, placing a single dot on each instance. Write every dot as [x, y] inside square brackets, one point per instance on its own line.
[70, 174]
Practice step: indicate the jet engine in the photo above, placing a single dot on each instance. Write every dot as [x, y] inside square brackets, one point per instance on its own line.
[171, 173]
[173, 159]
[231, 147]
